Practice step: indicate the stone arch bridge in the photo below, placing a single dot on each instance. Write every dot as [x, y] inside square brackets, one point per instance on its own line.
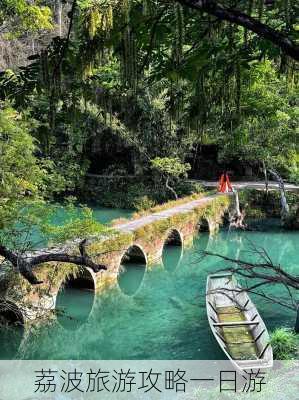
[138, 240]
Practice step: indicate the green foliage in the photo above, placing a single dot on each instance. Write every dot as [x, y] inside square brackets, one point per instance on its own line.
[141, 193]
[80, 224]
[27, 185]
[294, 169]
[284, 343]
[97, 16]
[136, 82]
[143, 203]
[30, 17]
[268, 131]
[141, 75]
[171, 166]
[258, 203]
[22, 175]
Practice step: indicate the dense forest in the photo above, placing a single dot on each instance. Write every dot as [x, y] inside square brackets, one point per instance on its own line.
[143, 93]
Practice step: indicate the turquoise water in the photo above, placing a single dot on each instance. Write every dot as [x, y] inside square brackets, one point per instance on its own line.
[159, 313]
[62, 215]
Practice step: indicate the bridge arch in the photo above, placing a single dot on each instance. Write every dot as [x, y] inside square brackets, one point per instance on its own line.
[133, 254]
[131, 271]
[75, 299]
[204, 225]
[225, 219]
[173, 237]
[172, 250]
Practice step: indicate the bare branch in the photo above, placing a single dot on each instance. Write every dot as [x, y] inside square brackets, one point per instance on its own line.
[24, 263]
[239, 18]
[266, 272]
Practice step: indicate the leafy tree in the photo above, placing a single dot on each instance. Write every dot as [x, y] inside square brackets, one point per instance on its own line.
[19, 16]
[22, 175]
[267, 133]
[171, 169]
[26, 181]
[227, 13]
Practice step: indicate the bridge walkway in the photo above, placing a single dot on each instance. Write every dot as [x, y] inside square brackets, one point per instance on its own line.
[133, 225]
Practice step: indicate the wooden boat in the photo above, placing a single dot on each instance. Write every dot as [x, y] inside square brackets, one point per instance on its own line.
[237, 325]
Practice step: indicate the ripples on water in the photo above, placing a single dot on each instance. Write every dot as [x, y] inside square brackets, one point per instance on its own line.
[158, 313]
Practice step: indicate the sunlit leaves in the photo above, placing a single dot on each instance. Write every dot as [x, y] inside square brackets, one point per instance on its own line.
[170, 166]
[20, 174]
[79, 223]
[24, 16]
[267, 131]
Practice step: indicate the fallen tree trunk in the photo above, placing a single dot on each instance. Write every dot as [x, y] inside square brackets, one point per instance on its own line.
[237, 219]
[266, 178]
[285, 209]
[25, 263]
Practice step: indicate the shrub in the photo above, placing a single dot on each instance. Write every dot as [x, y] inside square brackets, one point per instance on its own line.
[284, 343]
[140, 194]
[143, 203]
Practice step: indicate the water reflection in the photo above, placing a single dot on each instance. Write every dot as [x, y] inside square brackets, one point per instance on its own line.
[130, 277]
[131, 270]
[171, 257]
[11, 331]
[172, 250]
[75, 300]
[203, 241]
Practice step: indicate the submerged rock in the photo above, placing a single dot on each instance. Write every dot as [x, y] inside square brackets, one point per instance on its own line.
[176, 302]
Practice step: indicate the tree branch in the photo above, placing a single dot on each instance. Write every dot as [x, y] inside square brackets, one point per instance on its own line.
[67, 39]
[24, 264]
[249, 270]
[279, 276]
[170, 188]
[285, 210]
[239, 18]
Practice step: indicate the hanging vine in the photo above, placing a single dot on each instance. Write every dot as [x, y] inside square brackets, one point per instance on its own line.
[97, 22]
[98, 19]
[179, 34]
[238, 90]
[128, 50]
[260, 9]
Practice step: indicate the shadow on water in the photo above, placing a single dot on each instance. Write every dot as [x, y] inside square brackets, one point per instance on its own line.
[11, 330]
[172, 251]
[202, 242]
[171, 257]
[131, 270]
[75, 300]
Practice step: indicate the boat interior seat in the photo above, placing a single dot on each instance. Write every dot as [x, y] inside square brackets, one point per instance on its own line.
[236, 332]
[229, 310]
[236, 323]
[245, 342]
